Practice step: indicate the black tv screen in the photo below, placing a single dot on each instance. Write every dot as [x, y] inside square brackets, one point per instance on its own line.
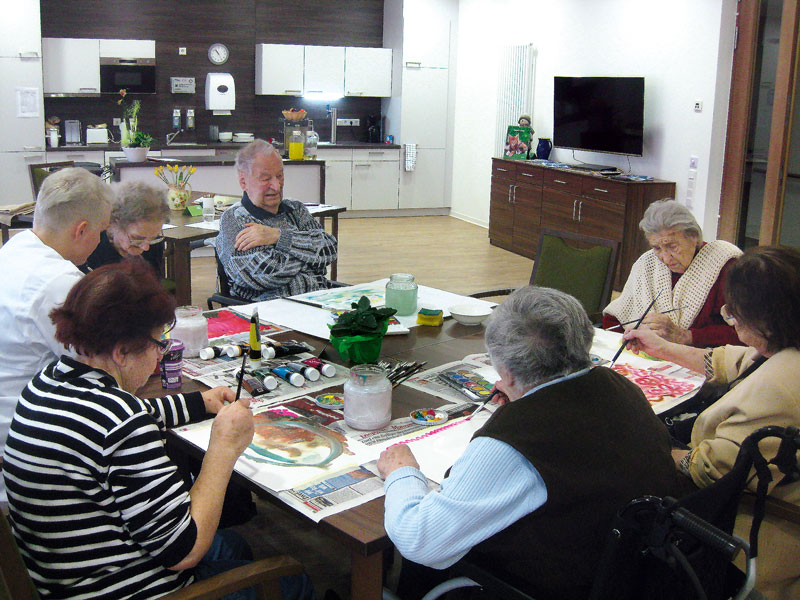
[599, 114]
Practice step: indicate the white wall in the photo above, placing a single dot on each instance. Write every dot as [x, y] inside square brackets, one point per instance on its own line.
[682, 48]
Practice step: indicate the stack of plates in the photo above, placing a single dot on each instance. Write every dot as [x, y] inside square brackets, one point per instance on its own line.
[243, 137]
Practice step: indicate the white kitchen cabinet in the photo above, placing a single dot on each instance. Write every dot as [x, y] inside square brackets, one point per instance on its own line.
[16, 178]
[323, 71]
[71, 66]
[21, 133]
[92, 156]
[338, 176]
[426, 33]
[424, 115]
[375, 179]
[279, 69]
[368, 72]
[21, 32]
[424, 186]
[127, 48]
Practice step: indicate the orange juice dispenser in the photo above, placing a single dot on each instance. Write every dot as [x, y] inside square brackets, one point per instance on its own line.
[295, 130]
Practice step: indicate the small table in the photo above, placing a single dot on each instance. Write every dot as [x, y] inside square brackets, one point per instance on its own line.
[180, 238]
[18, 222]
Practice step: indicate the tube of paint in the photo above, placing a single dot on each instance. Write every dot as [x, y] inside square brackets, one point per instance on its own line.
[212, 352]
[325, 368]
[285, 373]
[288, 348]
[255, 341]
[266, 378]
[235, 350]
[309, 373]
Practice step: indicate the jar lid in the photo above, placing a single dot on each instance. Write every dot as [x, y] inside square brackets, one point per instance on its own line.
[187, 312]
[176, 345]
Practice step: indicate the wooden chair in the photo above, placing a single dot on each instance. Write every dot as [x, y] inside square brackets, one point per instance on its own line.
[39, 172]
[16, 584]
[579, 265]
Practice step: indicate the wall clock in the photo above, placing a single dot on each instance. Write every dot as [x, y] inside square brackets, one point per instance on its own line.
[218, 53]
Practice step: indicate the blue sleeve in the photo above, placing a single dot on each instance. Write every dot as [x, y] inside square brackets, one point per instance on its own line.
[490, 487]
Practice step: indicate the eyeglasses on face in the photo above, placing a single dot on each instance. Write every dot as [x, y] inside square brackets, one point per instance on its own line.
[162, 345]
[143, 242]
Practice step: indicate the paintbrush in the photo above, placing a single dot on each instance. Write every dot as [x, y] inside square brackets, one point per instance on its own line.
[634, 321]
[413, 370]
[241, 376]
[639, 322]
[483, 404]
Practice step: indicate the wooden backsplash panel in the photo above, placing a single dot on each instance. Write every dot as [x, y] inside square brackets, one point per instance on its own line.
[239, 24]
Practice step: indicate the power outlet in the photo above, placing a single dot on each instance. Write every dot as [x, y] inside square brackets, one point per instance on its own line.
[348, 122]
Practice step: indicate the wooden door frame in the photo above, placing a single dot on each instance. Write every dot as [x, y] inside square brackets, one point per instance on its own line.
[739, 111]
[781, 127]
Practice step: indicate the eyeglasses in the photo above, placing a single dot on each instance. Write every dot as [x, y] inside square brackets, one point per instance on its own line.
[726, 315]
[143, 242]
[163, 345]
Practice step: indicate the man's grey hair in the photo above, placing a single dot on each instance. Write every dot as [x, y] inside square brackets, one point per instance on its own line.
[539, 333]
[670, 214]
[139, 201]
[71, 195]
[247, 155]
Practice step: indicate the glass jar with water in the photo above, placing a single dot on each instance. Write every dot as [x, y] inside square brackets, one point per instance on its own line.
[401, 294]
[367, 398]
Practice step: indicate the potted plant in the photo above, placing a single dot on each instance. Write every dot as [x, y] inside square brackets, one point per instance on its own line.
[177, 179]
[358, 334]
[135, 144]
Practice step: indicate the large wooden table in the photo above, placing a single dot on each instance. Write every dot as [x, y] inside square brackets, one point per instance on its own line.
[360, 529]
[180, 238]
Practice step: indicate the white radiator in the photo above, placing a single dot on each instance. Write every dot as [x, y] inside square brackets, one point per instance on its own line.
[515, 84]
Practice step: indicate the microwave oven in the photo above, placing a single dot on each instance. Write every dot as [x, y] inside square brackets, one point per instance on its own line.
[136, 75]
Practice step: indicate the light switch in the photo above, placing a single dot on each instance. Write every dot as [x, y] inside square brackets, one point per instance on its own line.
[693, 160]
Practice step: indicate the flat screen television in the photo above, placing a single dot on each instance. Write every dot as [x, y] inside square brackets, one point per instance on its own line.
[599, 114]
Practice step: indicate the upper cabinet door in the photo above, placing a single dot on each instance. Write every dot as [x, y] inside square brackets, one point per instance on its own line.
[324, 71]
[368, 72]
[426, 34]
[279, 69]
[71, 66]
[20, 31]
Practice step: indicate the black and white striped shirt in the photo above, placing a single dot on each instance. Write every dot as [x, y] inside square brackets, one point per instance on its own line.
[97, 507]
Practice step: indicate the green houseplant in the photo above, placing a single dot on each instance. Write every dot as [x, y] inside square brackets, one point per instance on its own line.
[358, 333]
[135, 143]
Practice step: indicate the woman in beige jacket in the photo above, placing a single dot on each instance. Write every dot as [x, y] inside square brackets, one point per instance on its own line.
[763, 297]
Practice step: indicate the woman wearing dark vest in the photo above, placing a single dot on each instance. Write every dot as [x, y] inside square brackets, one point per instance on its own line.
[763, 295]
[534, 493]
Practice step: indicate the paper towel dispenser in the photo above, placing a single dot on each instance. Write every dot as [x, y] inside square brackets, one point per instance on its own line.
[220, 93]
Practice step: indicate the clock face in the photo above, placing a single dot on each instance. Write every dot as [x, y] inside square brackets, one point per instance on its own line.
[218, 53]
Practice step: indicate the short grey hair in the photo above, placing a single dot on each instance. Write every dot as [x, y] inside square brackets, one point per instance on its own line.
[139, 201]
[539, 333]
[670, 214]
[247, 155]
[70, 195]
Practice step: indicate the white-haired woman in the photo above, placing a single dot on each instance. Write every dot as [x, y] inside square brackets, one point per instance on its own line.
[686, 275]
[137, 216]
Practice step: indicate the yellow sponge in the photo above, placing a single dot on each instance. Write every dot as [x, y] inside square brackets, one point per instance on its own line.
[430, 316]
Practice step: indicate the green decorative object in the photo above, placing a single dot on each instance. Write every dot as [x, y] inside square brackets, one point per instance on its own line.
[358, 333]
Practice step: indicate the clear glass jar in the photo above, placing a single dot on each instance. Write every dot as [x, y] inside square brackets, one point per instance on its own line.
[312, 141]
[367, 398]
[191, 327]
[296, 145]
[401, 294]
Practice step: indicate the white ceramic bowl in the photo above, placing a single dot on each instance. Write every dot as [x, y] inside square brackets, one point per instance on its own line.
[470, 314]
[225, 136]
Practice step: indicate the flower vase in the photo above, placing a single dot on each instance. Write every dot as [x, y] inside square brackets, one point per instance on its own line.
[178, 196]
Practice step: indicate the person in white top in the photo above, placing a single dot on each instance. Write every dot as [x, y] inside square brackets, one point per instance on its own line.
[39, 267]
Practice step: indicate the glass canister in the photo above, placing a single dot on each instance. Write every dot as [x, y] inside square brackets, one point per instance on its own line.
[191, 327]
[312, 141]
[401, 294]
[296, 145]
[367, 398]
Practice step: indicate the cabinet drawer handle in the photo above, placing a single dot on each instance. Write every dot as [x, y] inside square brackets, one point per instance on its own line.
[415, 64]
[600, 190]
[580, 206]
[349, 93]
[574, 202]
[88, 89]
[503, 170]
[559, 181]
[527, 174]
[514, 196]
[361, 165]
[313, 91]
[32, 148]
[292, 91]
[510, 186]
[379, 152]
[29, 54]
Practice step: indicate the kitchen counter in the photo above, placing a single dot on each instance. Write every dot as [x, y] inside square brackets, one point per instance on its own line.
[225, 160]
[210, 146]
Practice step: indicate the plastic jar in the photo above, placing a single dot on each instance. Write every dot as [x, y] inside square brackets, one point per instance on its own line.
[367, 398]
[172, 365]
[191, 327]
[401, 294]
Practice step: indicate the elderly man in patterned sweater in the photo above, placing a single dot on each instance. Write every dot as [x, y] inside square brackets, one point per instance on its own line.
[271, 246]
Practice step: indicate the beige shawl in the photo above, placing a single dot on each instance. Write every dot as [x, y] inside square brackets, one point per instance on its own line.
[649, 276]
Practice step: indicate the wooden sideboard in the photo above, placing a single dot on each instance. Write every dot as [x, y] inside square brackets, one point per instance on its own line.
[526, 197]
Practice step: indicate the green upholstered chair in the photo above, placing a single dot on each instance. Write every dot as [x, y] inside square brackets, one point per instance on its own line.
[579, 265]
[39, 172]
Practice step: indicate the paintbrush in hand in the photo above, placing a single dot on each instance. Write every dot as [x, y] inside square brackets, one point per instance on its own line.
[639, 322]
[634, 321]
[241, 376]
[483, 404]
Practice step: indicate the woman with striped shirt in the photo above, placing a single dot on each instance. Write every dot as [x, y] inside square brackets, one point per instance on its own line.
[97, 507]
